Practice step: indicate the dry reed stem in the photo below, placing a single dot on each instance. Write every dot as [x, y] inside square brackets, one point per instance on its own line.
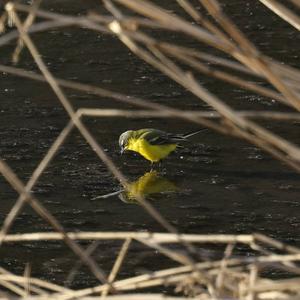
[220, 277]
[13, 288]
[26, 276]
[110, 113]
[158, 237]
[19, 287]
[73, 272]
[36, 282]
[259, 237]
[33, 288]
[135, 296]
[250, 294]
[173, 255]
[287, 265]
[296, 2]
[283, 12]
[278, 285]
[27, 23]
[117, 265]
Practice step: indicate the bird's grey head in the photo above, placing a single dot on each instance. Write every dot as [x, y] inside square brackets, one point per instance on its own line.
[123, 140]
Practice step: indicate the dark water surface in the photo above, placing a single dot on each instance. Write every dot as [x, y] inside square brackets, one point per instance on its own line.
[215, 185]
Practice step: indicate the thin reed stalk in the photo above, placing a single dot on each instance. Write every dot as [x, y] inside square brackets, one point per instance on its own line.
[236, 61]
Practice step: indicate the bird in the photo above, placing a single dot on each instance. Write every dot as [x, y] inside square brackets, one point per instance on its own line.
[153, 144]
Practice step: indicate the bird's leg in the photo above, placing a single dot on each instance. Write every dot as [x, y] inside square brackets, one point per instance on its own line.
[155, 165]
[159, 165]
[152, 166]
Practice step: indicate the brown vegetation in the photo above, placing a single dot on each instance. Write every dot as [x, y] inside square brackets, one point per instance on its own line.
[230, 277]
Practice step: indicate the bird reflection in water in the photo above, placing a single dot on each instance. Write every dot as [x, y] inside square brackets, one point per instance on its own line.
[151, 183]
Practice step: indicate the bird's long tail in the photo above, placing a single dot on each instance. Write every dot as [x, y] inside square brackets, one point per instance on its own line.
[186, 136]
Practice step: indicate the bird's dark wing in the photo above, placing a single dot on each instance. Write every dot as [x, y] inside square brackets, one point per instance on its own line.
[158, 137]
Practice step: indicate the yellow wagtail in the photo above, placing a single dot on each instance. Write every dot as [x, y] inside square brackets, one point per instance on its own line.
[152, 144]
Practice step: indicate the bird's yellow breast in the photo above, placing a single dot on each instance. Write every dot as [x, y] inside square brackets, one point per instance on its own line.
[154, 153]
